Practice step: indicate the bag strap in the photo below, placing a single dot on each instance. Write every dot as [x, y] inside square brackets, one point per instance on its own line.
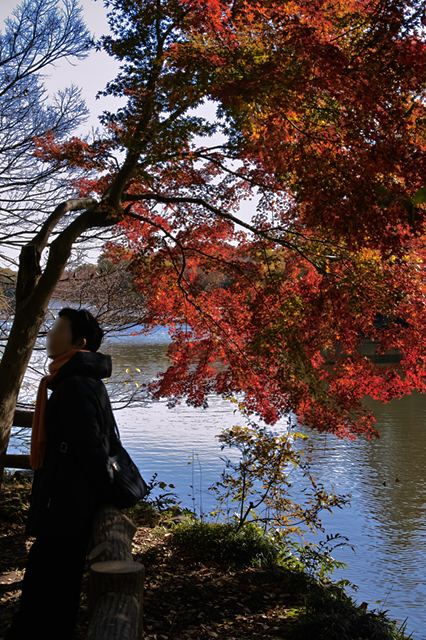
[117, 433]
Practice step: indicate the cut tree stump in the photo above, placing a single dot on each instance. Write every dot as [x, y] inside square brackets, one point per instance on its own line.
[115, 580]
[115, 616]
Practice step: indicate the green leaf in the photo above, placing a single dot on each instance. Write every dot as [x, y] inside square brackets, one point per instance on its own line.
[381, 190]
[384, 202]
[408, 206]
[420, 196]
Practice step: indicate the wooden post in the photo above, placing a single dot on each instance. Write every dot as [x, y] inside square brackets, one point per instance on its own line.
[112, 527]
[115, 580]
[116, 595]
[116, 616]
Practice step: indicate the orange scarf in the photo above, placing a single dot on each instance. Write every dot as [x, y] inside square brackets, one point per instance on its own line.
[38, 435]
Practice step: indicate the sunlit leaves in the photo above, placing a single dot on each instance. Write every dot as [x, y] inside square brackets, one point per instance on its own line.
[258, 486]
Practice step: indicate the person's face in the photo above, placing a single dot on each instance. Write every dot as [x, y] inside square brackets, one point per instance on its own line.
[59, 339]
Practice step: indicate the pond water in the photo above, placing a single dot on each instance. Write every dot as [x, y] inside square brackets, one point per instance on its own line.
[385, 521]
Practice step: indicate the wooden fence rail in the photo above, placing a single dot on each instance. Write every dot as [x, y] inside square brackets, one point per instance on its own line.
[23, 419]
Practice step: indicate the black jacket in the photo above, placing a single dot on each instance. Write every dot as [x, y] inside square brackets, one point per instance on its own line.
[74, 479]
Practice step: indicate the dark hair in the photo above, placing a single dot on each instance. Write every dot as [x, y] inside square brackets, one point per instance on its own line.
[83, 325]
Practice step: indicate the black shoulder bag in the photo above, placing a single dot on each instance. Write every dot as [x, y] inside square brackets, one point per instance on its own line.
[128, 487]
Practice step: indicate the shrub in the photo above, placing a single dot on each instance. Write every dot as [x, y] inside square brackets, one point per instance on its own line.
[223, 544]
[336, 617]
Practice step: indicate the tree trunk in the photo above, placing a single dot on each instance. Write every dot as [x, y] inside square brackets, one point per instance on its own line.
[17, 353]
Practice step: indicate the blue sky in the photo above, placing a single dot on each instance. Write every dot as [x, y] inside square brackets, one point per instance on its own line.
[92, 74]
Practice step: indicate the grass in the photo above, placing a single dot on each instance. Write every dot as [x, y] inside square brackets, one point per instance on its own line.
[222, 544]
[335, 616]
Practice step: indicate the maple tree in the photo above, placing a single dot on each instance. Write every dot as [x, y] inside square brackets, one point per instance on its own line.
[320, 107]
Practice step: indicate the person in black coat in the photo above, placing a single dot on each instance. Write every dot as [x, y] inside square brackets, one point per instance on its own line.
[71, 479]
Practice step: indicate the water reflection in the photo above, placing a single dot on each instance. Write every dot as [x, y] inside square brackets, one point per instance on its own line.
[150, 358]
[386, 522]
